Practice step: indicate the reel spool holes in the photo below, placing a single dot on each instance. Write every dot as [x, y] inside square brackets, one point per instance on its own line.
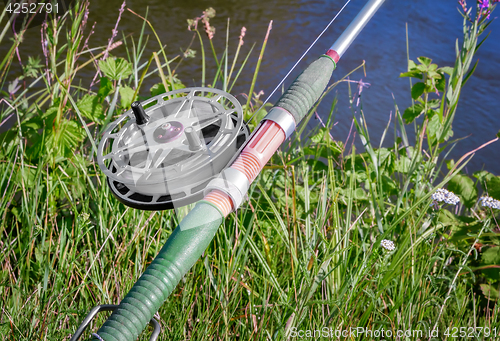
[163, 152]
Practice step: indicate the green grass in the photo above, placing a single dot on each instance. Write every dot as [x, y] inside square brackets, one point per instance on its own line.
[302, 254]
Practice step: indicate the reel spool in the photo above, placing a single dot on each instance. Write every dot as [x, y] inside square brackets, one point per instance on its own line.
[163, 155]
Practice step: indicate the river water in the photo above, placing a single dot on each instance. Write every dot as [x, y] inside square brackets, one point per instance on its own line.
[433, 27]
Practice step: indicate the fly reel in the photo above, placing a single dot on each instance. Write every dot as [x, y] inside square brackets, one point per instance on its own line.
[163, 152]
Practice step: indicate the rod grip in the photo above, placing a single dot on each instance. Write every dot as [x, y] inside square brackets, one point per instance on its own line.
[181, 251]
[307, 88]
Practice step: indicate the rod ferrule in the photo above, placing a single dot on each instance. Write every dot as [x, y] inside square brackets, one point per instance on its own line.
[232, 182]
[282, 118]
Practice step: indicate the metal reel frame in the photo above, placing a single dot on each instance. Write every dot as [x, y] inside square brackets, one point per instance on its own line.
[190, 135]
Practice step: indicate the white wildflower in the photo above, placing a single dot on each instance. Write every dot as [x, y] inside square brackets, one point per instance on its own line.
[388, 244]
[490, 202]
[448, 197]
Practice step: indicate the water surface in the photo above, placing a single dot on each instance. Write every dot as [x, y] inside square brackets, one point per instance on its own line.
[433, 27]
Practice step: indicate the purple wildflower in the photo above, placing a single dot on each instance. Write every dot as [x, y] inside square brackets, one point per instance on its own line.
[463, 3]
[484, 4]
[484, 7]
[243, 31]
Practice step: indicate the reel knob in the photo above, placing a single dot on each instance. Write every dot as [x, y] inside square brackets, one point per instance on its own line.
[162, 152]
[193, 139]
[139, 113]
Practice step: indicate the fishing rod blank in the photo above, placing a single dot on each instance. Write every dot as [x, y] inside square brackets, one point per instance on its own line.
[351, 32]
[140, 141]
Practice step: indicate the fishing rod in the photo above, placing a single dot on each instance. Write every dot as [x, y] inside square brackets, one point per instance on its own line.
[191, 145]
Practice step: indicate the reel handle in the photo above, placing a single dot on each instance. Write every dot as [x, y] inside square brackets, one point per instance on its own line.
[140, 114]
[307, 88]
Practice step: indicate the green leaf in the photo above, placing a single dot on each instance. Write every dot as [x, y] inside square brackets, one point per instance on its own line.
[403, 164]
[383, 154]
[450, 164]
[449, 133]
[159, 88]
[414, 74]
[483, 176]
[126, 96]
[320, 135]
[321, 150]
[360, 194]
[424, 60]
[489, 292]
[317, 166]
[447, 69]
[115, 68]
[433, 74]
[105, 87]
[493, 186]
[441, 84]
[434, 103]
[422, 67]
[50, 113]
[464, 187]
[432, 69]
[91, 108]
[413, 112]
[434, 128]
[26, 175]
[417, 90]
[470, 73]
[389, 186]
[491, 256]
[447, 218]
[71, 134]
[63, 142]
[38, 255]
[31, 68]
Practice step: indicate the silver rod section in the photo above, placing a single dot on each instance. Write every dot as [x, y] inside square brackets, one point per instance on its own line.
[352, 31]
